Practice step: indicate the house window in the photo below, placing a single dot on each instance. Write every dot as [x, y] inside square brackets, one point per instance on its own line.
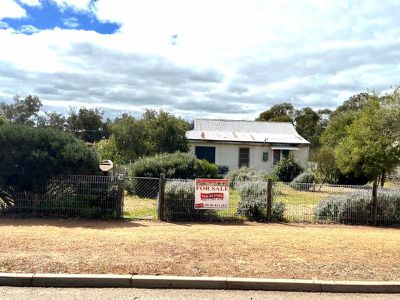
[277, 156]
[265, 156]
[207, 153]
[285, 153]
[244, 157]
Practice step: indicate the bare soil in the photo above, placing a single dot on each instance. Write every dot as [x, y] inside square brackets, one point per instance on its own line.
[331, 252]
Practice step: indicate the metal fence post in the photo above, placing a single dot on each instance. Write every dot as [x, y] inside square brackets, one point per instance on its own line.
[374, 201]
[269, 200]
[161, 198]
[120, 198]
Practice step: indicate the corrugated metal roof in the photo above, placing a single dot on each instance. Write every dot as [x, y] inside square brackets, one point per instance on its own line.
[245, 131]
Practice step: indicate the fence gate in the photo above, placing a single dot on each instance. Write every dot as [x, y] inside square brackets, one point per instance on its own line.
[141, 198]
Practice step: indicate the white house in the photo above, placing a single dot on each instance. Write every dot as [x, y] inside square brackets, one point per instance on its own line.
[259, 145]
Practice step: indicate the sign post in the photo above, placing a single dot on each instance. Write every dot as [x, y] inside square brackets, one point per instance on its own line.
[211, 194]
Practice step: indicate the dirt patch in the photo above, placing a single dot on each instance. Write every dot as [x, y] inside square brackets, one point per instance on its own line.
[329, 252]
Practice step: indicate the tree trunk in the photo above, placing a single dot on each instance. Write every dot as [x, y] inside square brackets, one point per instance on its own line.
[374, 204]
[383, 178]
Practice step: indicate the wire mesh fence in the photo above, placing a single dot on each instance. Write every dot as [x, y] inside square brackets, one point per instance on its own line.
[65, 196]
[352, 204]
[141, 198]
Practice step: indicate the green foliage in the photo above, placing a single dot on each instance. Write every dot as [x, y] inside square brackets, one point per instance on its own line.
[22, 111]
[370, 146]
[326, 169]
[287, 169]
[30, 156]
[175, 165]
[356, 207]
[179, 203]
[278, 113]
[156, 132]
[107, 149]
[53, 120]
[3, 120]
[336, 130]
[87, 124]
[249, 174]
[253, 202]
[311, 124]
[305, 177]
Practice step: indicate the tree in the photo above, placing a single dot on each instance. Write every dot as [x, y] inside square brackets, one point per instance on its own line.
[21, 111]
[87, 124]
[156, 132]
[283, 112]
[326, 170]
[309, 125]
[131, 137]
[53, 120]
[107, 149]
[167, 132]
[370, 146]
[30, 156]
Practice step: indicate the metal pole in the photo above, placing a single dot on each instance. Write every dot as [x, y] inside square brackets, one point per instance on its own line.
[120, 198]
[269, 199]
[161, 198]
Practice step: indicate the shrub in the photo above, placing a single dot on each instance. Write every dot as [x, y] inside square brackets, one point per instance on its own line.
[30, 156]
[179, 203]
[287, 169]
[304, 181]
[356, 207]
[249, 174]
[253, 202]
[175, 165]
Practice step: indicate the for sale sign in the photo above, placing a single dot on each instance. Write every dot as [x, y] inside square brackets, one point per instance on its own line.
[211, 194]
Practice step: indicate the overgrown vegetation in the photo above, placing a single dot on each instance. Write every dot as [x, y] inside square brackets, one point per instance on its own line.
[357, 207]
[30, 156]
[287, 169]
[253, 203]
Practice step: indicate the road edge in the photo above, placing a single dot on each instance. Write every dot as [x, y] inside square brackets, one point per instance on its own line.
[184, 282]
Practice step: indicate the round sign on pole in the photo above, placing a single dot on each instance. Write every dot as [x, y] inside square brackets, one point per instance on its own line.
[106, 165]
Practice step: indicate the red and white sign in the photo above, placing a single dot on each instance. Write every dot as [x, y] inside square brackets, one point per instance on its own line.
[211, 194]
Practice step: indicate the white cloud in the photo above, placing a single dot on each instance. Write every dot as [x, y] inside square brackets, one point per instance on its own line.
[10, 9]
[70, 22]
[28, 29]
[82, 5]
[219, 58]
[31, 2]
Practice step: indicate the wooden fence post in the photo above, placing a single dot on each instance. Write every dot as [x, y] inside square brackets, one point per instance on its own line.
[269, 200]
[161, 198]
[120, 198]
[374, 200]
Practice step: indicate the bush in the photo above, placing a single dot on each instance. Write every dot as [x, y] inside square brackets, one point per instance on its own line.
[253, 202]
[30, 156]
[249, 174]
[175, 165]
[287, 169]
[304, 181]
[356, 207]
[179, 203]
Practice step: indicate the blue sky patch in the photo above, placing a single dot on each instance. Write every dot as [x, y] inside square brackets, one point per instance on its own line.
[49, 16]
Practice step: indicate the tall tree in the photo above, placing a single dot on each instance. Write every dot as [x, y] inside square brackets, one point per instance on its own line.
[283, 112]
[22, 111]
[53, 120]
[308, 125]
[87, 124]
[371, 146]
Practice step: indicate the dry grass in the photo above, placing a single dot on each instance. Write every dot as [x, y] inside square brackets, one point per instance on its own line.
[244, 250]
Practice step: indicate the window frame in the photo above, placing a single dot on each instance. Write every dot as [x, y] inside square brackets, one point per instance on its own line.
[241, 164]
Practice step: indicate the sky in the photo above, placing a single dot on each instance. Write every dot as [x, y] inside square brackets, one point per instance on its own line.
[228, 59]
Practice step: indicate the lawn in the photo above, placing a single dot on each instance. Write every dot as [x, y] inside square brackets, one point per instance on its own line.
[334, 252]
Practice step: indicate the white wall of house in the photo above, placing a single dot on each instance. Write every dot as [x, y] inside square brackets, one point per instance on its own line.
[228, 154]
